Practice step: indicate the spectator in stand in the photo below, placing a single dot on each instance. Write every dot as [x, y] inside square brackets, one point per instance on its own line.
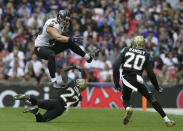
[35, 22]
[91, 77]
[16, 72]
[16, 55]
[106, 74]
[24, 10]
[61, 59]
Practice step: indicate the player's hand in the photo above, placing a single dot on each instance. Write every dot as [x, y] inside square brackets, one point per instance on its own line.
[160, 90]
[117, 87]
[78, 39]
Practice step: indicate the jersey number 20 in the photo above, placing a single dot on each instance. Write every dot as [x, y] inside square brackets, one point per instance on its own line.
[138, 61]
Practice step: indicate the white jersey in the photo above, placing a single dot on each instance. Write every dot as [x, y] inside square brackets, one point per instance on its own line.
[44, 38]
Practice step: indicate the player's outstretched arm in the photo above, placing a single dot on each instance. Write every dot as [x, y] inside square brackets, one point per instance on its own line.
[116, 74]
[56, 35]
[61, 38]
[152, 76]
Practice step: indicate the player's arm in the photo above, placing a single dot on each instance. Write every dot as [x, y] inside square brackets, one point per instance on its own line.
[65, 70]
[78, 68]
[61, 38]
[150, 72]
[64, 74]
[116, 65]
[56, 35]
[72, 67]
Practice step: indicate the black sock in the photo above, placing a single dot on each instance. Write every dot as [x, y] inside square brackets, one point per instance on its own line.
[76, 49]
[158, 108]
[52, 65]
[126, 103]
[39, 117]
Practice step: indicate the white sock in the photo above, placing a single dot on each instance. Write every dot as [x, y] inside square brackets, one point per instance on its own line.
[37, 113]
[87, 57]
[53, 79]
[166, 119]
[128, 108]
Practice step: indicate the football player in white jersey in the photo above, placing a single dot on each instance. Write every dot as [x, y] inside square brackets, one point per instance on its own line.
[50, 42]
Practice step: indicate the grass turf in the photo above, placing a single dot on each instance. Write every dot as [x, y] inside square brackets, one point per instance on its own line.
[87, 120]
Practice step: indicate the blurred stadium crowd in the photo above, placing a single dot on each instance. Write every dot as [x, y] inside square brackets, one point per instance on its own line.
[109, 24]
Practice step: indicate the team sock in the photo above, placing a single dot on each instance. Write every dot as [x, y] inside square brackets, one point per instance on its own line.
[166, 119]
[53, 79]
[87, 57]
[127, 108]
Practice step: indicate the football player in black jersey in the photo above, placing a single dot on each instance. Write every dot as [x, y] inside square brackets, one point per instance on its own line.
[133, 61]
[68, 95]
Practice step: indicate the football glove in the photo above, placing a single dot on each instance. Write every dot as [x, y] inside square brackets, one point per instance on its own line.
[77, 39]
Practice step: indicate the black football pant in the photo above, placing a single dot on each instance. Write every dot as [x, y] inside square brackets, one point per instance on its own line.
[49, 53]
[53, 106]
[144, 89]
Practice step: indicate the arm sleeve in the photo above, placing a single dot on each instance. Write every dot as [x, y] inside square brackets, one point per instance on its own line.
[80, 99]
[150, 72]
[116, 65]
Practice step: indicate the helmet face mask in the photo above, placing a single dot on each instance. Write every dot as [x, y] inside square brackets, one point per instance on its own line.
[81, 83]
[138, 42]
[63, 17]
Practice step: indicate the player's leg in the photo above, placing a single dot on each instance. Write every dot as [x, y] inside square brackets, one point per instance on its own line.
[52, 114]
[48, 54]
[126, 94]
[54, 109]
[53, 106]
[59, 47]
[144, 90]
[29, 98]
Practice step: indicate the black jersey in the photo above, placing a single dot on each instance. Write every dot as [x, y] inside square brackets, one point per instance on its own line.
[133, 61]
[70, 95]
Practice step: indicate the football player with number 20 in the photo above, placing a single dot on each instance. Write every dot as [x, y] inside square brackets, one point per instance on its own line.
[133, 61]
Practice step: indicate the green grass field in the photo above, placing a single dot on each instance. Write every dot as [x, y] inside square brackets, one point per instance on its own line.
[87, 120]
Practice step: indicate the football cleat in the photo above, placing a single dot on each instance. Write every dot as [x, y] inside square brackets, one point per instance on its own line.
[22, 97]
[33, 109]
[127, 116]
[92, 54]
[170, 123]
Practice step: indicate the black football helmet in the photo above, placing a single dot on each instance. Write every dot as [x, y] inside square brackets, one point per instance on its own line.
[63, 17]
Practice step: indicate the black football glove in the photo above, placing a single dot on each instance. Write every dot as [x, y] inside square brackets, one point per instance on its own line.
[77, 39]
[117, 87]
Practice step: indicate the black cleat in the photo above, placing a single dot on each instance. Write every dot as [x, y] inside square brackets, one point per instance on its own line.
[127, 116]
[33, 109]
[92, 54]
[22, 97]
